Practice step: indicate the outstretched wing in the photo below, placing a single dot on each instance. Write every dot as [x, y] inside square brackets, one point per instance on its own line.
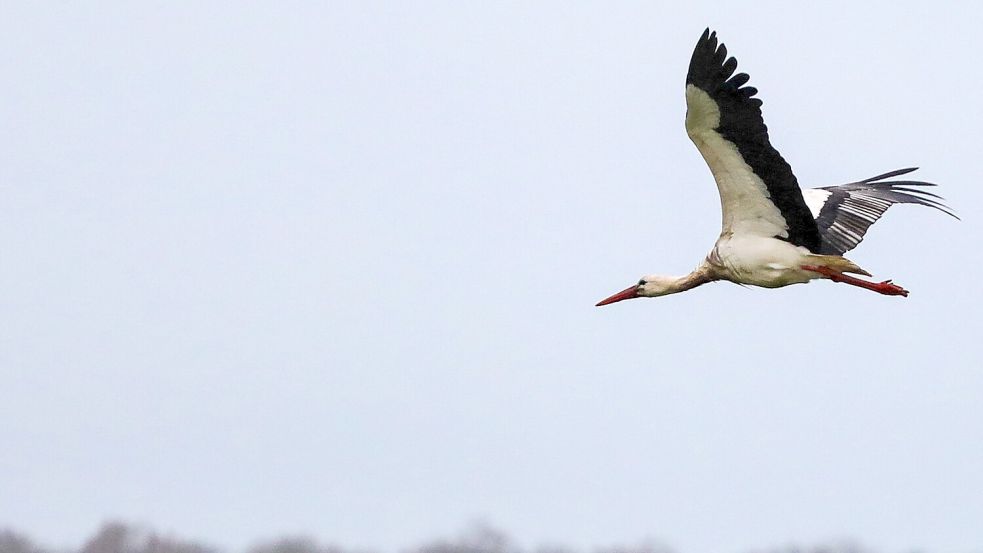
[758, 192]
[845, 212]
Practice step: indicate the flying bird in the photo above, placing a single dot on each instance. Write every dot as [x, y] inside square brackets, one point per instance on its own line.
[773, 233]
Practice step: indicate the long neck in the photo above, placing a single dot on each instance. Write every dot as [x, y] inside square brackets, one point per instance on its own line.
[700, 275]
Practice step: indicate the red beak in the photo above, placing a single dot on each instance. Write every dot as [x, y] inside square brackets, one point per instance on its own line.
[626, 294]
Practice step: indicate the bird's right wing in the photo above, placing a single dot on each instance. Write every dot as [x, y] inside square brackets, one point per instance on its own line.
[758, 192]
[845, 212]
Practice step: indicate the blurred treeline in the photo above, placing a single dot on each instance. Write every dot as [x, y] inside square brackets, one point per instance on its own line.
[118, 537]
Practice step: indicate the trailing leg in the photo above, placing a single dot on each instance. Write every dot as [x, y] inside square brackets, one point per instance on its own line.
[887, 287]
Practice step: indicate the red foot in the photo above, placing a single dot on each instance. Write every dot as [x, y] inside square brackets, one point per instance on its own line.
[887, 287]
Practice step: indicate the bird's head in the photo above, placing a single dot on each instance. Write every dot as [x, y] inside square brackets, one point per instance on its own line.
[650, 286]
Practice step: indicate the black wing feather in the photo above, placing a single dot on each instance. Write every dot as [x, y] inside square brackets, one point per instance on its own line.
[852, 208]
[741, 123]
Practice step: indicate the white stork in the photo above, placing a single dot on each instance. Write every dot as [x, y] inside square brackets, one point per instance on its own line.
[774, 234]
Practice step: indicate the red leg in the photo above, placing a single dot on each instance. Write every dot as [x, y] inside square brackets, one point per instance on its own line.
[886, 287]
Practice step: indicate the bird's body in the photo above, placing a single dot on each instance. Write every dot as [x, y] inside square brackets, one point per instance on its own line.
[773, 233]
[758, 261]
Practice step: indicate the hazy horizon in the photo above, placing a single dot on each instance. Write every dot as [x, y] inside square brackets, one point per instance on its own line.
[476, 537]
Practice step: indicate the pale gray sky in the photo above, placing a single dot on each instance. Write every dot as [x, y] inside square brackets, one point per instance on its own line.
[331, 268]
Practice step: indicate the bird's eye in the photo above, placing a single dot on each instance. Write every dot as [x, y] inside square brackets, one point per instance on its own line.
[641, 282]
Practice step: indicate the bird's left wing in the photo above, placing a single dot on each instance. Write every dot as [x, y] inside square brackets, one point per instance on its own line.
[845, 212]
[758, 192]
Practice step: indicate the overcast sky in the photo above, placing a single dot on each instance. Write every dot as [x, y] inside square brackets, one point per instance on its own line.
[331, 268]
